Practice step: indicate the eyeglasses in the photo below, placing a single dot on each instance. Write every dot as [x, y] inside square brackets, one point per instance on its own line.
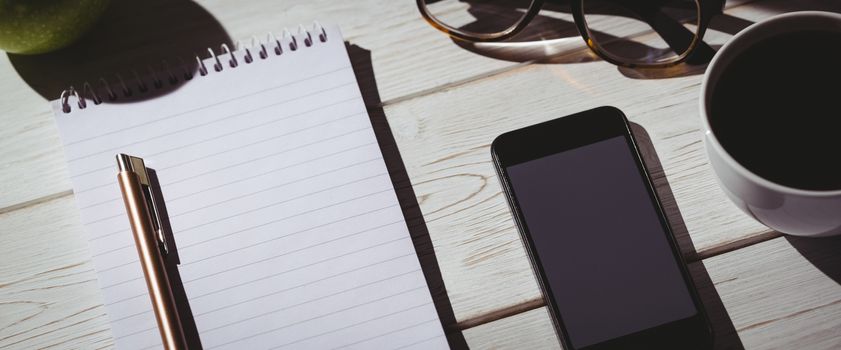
[630, 33]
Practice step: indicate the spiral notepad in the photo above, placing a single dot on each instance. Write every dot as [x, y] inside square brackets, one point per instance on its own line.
[286, 223]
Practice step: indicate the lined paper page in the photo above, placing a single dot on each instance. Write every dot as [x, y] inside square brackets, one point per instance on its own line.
[288, 229]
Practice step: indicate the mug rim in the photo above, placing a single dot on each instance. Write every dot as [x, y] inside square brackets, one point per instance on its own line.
[723, 54]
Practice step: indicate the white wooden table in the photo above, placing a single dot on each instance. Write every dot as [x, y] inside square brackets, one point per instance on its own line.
[444, 104]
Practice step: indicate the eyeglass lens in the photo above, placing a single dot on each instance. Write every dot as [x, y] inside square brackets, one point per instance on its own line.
[642, 32]
[479, 16]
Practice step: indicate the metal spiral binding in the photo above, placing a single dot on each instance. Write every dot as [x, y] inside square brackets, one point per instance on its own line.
[263, 49]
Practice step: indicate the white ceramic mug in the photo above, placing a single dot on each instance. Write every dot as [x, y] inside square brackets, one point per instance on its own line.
[782, 208]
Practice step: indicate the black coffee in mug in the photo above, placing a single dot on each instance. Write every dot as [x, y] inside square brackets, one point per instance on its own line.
[776, 109]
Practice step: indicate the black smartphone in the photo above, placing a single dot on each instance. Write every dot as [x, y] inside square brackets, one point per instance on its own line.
[611, 272]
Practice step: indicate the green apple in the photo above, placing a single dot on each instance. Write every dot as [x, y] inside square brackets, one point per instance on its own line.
[38, 26]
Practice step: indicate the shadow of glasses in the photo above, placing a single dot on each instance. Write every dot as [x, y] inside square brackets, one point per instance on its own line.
[730, 25]
[553, 37]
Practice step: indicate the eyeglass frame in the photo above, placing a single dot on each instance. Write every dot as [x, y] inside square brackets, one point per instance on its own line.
[705, 14]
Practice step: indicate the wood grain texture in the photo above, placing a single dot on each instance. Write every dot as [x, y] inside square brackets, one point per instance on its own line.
[779, 294]
[784, 293]
[49, 294]
[528, 330]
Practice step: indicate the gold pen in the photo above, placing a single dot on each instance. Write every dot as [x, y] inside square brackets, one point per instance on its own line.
[149, 238]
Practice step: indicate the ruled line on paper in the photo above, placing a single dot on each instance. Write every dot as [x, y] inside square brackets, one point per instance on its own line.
[307, 230]
[214, 138]
[310, 319]
[257, 261]
[418, 342]
[209, 105]
[335, 312]
[210, 222]
[295, 251]
[363, 322]
[181, 232]
[209, 171]
[198, 315]
[349, 326]
[290, 183]
[289, 270]
[288, 306]
[177, 214]
[323, 297]
[177, 199]
[166, 169]
[265, 259]
[388, 333]
[321, 280]
[176, 163]
[276, 238]
[224, 118]
[175, 149]
[307, 265]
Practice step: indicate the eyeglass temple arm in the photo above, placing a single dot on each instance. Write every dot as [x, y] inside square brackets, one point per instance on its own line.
[678, 37]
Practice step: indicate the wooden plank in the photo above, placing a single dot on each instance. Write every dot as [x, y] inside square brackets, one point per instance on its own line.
[49, 294]
[779, 294]
[783, 294]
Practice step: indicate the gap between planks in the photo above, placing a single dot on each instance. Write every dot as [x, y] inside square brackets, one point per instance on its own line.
[34, 202]
[537, 303]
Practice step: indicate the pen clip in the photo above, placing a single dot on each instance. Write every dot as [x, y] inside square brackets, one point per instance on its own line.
[137, 166]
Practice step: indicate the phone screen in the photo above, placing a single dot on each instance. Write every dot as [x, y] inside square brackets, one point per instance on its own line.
[600, 241]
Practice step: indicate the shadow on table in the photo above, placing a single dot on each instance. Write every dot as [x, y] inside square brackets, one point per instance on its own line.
[697, 63]
[550, 39]
[725, 333]
[803, 5]
[823, 253]
[131, 36]
[546, 39]
[362, 67]
[731, 25]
